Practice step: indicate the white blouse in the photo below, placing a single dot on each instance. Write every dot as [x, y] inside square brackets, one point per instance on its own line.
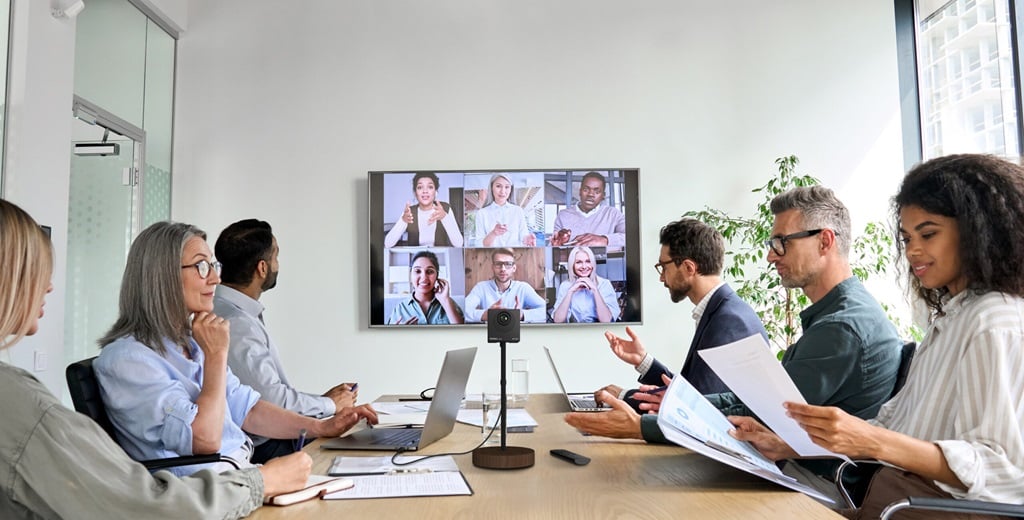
[965, 392]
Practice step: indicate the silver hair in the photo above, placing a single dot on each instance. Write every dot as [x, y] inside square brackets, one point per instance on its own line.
[820, 209]
[490, 189]
[152, 304]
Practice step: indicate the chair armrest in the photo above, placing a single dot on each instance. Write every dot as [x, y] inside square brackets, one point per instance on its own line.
[843, 492]
[955, 506]
[187, 460]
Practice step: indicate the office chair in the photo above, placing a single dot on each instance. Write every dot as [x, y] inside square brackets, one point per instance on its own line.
[951, 505]
[85, 394]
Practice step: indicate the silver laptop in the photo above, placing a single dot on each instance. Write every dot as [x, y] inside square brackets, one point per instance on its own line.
[444, 407]
[581, 402]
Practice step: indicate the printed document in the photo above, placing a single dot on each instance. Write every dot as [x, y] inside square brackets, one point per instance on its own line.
[689, 420]
[750, 370]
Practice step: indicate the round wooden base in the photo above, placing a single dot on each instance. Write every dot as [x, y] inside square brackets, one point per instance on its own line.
[509, 457]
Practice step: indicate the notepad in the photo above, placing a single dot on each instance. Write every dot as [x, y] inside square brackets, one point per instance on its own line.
[316, 486]
[378, 477]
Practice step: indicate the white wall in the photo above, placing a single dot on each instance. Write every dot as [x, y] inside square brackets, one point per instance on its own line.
[38, 159]
[282, 108]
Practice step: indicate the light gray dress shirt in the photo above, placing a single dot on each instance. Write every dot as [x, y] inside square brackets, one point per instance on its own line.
[485, 293]
[253, 357]
[58, 463]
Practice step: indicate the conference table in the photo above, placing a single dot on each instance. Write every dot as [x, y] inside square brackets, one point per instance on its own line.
[625, 479]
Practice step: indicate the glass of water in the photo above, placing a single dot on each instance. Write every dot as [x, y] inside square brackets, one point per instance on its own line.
[520, 380]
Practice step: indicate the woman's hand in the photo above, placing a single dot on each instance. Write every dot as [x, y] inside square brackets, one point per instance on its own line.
[765, 440]
[438, 214]
[443, 290]
[499, 229]
[285, 474]
[837, 431]
[407, 213]
[212, 333]
[586, 283]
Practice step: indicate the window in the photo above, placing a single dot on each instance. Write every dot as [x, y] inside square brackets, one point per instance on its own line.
[962, 71]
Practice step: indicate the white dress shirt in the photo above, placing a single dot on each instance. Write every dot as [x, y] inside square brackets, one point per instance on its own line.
[253, 356]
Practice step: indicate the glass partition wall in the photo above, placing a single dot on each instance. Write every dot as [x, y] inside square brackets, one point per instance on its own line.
[5, 33]
[120, 161]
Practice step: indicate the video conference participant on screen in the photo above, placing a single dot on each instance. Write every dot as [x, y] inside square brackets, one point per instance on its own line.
[503, 292]
[58, 463]
[421, 221]
[501, 222]
[164, 377]
[431, 302]
[248, 251]
[588, 223]
[585, 297]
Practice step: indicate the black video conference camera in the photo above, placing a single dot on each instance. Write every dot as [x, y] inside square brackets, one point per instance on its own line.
[503, 325]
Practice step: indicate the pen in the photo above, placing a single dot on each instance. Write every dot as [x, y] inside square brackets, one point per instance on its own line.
[353, 387]
[301, 441]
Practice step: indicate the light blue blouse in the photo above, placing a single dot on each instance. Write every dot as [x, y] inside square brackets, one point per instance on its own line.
[151, 400]
[582, 307]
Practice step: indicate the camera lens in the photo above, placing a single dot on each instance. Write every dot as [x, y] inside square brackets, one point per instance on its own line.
[504, 318]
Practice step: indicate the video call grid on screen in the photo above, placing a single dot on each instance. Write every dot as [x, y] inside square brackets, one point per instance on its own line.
[475, 214]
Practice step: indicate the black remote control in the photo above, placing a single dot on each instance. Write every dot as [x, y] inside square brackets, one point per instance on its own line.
[569, 456]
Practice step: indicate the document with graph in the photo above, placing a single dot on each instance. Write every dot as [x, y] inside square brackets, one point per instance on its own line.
[689, 420]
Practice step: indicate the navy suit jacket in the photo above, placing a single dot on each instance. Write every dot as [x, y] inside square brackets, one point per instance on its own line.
[727, 318]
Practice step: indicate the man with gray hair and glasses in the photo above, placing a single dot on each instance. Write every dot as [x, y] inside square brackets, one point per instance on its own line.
[849, 352]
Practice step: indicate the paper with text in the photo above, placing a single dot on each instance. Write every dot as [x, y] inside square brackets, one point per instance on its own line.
[438, 483]
[344, 465]
[687, 418]
[750, 370]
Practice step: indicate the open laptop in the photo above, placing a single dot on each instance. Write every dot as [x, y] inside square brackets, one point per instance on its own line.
[440, 421]
[581, 402]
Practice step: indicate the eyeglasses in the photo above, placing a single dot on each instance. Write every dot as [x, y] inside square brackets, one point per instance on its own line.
[660, 266]
[778, 243]
[503, 265]
[204, 267]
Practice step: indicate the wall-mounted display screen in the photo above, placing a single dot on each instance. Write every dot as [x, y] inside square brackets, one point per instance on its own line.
[563, 245]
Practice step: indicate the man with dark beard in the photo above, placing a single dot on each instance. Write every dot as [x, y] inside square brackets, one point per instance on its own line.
[248, 251]
[690, 266]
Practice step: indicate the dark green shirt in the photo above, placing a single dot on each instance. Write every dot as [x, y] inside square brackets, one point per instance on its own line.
[847, 357]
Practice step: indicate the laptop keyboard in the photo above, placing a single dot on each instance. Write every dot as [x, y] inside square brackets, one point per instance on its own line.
[584, 403]
[400, 437]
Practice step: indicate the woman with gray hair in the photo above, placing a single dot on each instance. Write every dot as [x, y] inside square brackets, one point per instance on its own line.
[502, 222]
[585, 297]
[58, 463]
[163, 369]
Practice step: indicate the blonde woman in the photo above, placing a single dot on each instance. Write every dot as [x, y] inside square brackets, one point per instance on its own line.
[502, 222]
[58, 463]
[585, 297]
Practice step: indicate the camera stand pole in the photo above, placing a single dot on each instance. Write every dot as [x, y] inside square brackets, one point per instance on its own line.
[503, 457]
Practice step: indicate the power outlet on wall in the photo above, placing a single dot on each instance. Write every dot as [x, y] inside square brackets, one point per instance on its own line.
[39, 362]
